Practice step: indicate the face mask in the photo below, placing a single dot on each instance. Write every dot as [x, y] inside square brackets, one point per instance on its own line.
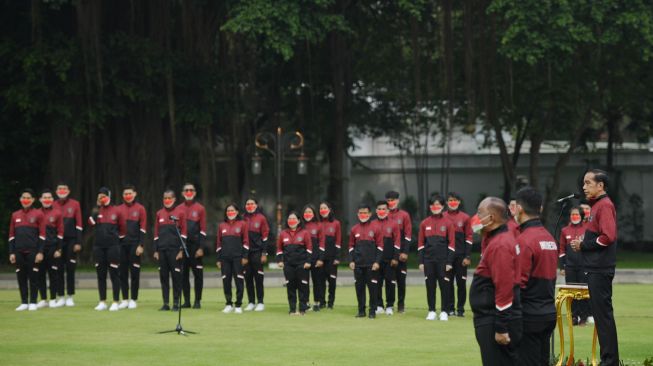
[25, 202]
[292, 223]
[128, 197]
[575, 219]
[324, 212]
[167, 202]
[46, 202]
[382, 213]
[105, 200]
[436, 209]
[363, 217]
[231, 215]
[476, 224]
[454, 205]
[587, 212]
[189, 195]
[62, 193]
[308, 216]
[393, 204]
[250, 207]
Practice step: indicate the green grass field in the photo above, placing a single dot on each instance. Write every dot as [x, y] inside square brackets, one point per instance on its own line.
[82, 336]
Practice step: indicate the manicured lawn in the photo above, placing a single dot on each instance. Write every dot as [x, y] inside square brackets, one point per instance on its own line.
[82, 336]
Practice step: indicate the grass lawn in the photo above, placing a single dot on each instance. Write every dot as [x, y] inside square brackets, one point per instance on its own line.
[82, 336]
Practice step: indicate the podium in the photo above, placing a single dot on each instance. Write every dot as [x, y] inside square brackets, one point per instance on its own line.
[566, 294]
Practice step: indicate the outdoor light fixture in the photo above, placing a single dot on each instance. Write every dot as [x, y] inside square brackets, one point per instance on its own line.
[302, 164]
[256, 164]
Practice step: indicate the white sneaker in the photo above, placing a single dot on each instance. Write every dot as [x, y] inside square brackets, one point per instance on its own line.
[389, 311]
[132, 304]
[443, 316]
[69, 301]
[228, 309]
[101, 306]
[249, 307]
[114, 307]
[379, 310]
[52, 303]
[32, 307]
[590, 319]
[59, 303]
[123, 304]
[238, 310]
[22, 307]
[431, 315]
[259, 307]
[42, 304]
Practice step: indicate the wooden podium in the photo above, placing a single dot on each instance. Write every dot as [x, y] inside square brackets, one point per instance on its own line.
[566, 294]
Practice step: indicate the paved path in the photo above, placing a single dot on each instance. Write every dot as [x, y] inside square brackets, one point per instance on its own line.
[274, 278]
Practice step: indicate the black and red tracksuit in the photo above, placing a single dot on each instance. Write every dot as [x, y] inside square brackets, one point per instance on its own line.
[436, 249]
[365, 249]
[295, 249]
[196, 226]
[318, 275]
[538, 261]
[258, 233]
[391, 250]
[464, 241]
[231, 247]
[26, 236]
[54, 229]
[168, 245]
[110, 230]
[599, 252]
[572, 262]
[130, 263]
[513, 227]
[403, 220]
[72, 234]
[495, 299]
[332, 245]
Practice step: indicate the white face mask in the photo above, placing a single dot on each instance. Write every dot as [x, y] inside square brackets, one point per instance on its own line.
[477, 224]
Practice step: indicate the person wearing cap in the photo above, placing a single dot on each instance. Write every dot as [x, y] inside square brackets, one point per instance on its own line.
[26, 236]
[131, 249]
[51, 265]
[462, 258]
[365, 255]
[196, 226]
[494, 294]
[72, 241]
[538, 260]
[258, 234]
[110, 229]
[403, 220]
[169, 225]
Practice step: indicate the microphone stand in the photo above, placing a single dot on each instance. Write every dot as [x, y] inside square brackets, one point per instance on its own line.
[556, 238]
[179, 329]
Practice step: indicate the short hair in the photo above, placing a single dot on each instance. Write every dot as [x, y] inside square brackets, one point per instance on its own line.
[436, 198]
[364, 206]
[580, 211]
[63, 184]
[600, 176]
[189, 184]
[27, 190]
[300, 223]
[381, 202]
[170, 191]
[46, 191]
[530, 200]
[455, 195]
[392, 195]
[129, 186]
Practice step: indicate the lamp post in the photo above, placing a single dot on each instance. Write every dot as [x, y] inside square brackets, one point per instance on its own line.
[282, 143]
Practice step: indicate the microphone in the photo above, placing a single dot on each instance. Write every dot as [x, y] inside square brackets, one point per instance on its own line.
[174, 218]
[573, 195]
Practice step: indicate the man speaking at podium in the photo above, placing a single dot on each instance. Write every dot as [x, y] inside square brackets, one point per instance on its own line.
[599, 249]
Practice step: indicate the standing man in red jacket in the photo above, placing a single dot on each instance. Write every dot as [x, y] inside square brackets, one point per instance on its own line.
[462, 258]
[72, 240]
[403, 220]
[599, 250]
[365, 254]
[131, 248]
[538, 259]
[196, 226]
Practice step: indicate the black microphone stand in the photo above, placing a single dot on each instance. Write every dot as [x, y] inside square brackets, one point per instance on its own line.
[557, 239]
[179, 329]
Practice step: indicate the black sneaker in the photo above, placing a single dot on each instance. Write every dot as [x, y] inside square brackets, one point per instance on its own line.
[372, 315]
[460, 314]
[575, 320]
[302, 313]
[186, 305]
[360, 314]
[401, 309]
[322, 305]
[197, 305]
[330, 306]
[175, 308]
[165, 307]
[316, 308]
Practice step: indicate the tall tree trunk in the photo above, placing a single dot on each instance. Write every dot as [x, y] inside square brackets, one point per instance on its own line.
[470, 91]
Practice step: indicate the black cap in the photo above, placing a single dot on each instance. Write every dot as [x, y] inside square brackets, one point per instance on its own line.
[392, 194]
[105, 191]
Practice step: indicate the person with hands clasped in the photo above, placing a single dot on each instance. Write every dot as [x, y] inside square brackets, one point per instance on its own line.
[294, 251]
[232, 249]
[258, 233]
[332, 243]
[51, 265]
[314, 228]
